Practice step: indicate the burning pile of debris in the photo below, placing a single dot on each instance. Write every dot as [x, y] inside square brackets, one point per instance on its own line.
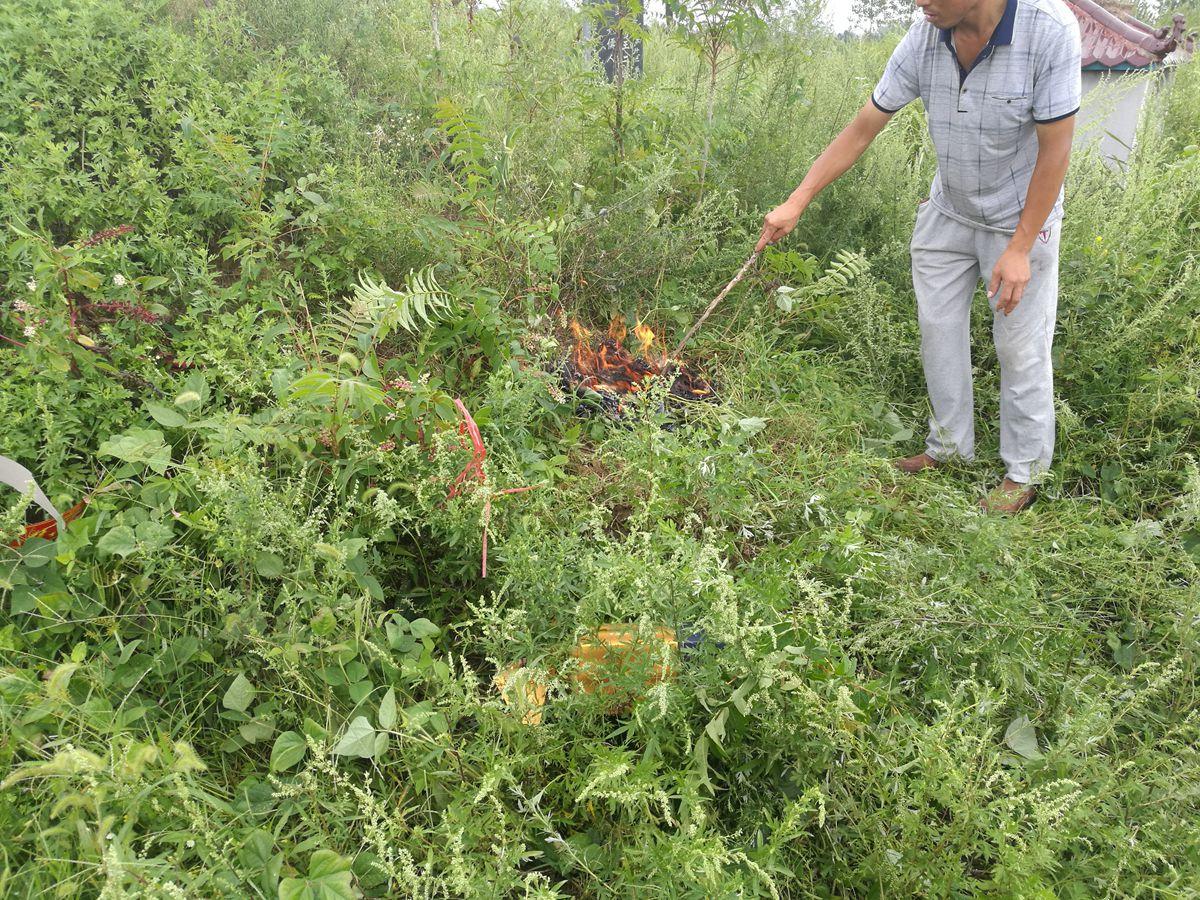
[605, 368]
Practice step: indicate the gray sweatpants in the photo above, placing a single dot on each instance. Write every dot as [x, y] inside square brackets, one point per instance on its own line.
[948, 261]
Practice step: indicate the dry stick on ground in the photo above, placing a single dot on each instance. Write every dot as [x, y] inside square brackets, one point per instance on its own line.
[721, 296]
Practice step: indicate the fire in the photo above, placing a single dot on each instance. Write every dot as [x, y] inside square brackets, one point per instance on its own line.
[617, 330]
[645, 338]
[609, 368]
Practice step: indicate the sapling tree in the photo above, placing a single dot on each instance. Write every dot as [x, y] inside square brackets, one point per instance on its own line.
[716, 31]
[622, 18]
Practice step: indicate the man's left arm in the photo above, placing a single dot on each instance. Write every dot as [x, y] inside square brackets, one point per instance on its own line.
[1011, 273]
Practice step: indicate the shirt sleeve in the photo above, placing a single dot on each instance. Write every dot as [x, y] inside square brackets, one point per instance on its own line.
[1057, 82]
[898, 85]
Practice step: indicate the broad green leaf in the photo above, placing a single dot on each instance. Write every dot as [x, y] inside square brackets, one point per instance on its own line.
[256, 730]
[369, 872]
[60, 680]
[289, 749]
[422, 628]
[314, 730]
[268, 565]
[701, 756]
[86, 278]
[325, 863]
[358, 740]
[239, 695]
[164, 415]
[258, 849]
[144, 446]
[154, 535]
[329, 878]
[387, 710]
[22, 600]
[1123, 656]
[371, 585]
[1022, 738]
[258, 855]
[37, 552]
[423, 717]
[716, 727]
[739, 697]
[118, 541]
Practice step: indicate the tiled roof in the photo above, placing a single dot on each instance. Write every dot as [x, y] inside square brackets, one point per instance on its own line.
[1120, 42]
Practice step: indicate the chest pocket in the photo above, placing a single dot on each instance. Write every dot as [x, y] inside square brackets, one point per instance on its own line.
[1003, 118]
[1007, 108]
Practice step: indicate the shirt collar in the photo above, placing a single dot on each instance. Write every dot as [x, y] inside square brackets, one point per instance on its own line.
[1004, 28]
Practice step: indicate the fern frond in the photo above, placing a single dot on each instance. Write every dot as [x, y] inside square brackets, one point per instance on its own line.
[467, 148]
[845, 268]
[343, 328]
[421, 303]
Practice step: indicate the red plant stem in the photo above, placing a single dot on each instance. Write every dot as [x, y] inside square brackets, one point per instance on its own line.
[519, 490]
[475, 466]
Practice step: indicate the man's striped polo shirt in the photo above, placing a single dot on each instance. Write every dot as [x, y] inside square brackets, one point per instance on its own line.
[982, 120]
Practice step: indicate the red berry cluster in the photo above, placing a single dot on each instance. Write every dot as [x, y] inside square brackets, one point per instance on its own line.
[107, 235]
[128, 310]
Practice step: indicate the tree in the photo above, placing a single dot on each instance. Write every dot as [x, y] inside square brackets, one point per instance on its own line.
[715, 30]
[878, 16]
[617, 24]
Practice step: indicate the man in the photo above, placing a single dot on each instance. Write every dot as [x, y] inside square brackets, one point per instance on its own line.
[1000, 83]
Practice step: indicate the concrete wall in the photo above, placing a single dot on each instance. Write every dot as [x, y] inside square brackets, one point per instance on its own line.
[1111, 109]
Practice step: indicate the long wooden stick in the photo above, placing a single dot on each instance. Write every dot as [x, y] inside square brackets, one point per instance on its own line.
[721, 296]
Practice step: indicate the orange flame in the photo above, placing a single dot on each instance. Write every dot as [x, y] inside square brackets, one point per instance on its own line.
[616, 329]
[608, 366]
[645, 338]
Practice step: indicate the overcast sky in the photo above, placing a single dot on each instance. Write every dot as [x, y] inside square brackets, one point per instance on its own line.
[837, 15]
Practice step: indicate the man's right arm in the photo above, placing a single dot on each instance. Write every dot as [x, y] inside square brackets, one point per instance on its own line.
[842, 153]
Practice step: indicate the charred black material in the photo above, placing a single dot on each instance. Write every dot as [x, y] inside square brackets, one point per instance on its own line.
[605, 395]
